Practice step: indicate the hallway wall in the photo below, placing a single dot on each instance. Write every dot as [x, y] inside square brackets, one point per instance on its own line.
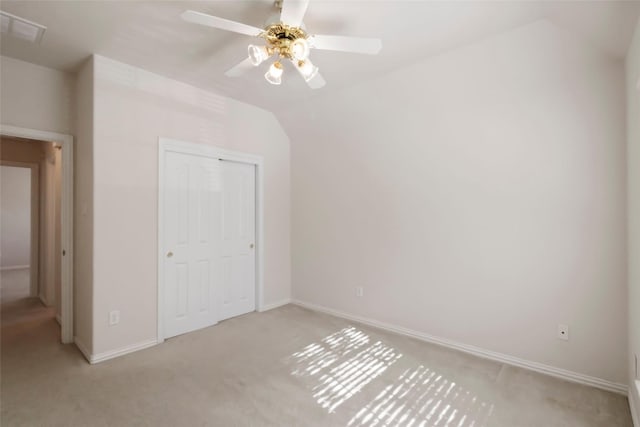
[15, 217]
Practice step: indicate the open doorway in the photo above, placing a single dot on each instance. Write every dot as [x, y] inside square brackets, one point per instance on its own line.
[35, 229]
[18, 281]
[30, 273]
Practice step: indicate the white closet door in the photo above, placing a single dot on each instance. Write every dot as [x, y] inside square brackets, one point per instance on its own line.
[191, 234]
[237, 257]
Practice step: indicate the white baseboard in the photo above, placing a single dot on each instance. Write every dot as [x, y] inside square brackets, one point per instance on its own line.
[633, 392]
[101, 357]
[477, 351]
[14, 267]
[83, 348]
[268, 307]
[43, 300]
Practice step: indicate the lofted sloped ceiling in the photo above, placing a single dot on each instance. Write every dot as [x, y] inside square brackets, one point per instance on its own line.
[151, 35]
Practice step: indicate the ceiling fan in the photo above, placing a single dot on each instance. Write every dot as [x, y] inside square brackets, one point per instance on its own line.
[286, 39]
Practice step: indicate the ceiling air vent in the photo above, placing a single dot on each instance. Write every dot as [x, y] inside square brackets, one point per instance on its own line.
[21, 28]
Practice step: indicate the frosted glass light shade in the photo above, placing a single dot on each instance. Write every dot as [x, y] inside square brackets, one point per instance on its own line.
[307, 69]
[274, 75]
[257, 54]
[299, 49]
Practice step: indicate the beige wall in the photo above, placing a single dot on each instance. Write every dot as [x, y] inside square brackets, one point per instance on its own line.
[36, 97]
[633, 162]
[57, 218]
[133, 108]
[83, 302]
[49, 228]
[15, 217]
[477, 196]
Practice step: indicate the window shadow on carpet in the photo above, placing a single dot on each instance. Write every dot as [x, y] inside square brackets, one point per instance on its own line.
[343, 363]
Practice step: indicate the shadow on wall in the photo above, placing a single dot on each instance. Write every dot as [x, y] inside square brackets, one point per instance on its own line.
[343, 363]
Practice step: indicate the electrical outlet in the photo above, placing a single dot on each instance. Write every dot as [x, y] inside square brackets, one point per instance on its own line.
[359, 291]
[114, 317]
[563, 332]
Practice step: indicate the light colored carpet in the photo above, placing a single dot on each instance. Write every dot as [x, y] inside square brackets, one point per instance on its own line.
[18, 307]
[285, 367]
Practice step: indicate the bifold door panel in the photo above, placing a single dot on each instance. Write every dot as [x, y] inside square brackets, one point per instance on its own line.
[238, 240]
[209, 241]
[191, 231]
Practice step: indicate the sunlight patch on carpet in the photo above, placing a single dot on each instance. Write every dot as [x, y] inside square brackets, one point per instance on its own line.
[421, 397]
[342, 364]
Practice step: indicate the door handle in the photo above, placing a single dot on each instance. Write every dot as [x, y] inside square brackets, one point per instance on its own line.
[169, 254]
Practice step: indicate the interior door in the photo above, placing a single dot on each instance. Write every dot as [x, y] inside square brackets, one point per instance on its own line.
[237, 257]
[191, 235]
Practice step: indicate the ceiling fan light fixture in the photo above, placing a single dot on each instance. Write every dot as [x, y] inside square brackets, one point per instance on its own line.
[285, 38]
[274, 75]
[257, 54]
[299, 49]
[307, 69]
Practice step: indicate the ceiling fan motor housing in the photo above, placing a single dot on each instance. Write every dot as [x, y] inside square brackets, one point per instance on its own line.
[280, 37]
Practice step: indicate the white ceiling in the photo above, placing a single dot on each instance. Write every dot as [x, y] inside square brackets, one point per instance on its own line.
[151, 35]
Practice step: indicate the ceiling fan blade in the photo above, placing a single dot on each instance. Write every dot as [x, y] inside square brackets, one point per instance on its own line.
[240, 68]
[223, 24]
[346, 44]
[317, 82]
[293, 11]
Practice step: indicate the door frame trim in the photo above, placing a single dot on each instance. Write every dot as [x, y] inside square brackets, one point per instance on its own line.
[166, 145]
[66, 219]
